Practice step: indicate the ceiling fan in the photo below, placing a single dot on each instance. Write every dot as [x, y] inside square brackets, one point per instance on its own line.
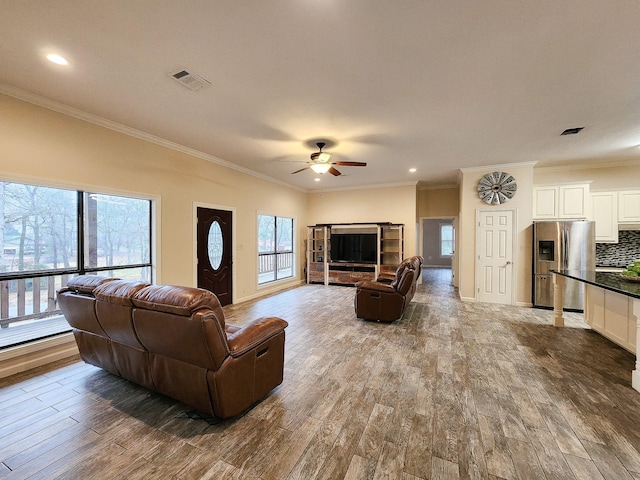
[320, 162]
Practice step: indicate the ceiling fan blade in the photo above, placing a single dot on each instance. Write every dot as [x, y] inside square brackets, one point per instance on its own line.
[334, 172]
[350, 164]
[301, 170]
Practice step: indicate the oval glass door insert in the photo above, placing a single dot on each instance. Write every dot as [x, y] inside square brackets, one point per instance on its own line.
[214, 245]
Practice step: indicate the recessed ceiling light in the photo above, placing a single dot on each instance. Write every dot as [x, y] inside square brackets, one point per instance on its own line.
[316, 179]
[57, 59]
[413, 170]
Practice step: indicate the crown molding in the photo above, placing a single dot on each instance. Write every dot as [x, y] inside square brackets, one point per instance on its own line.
[132, 132]
[502, 166]
[363, 187]
[630, 162]
[444, 186]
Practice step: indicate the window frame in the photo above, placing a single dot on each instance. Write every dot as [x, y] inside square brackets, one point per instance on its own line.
[81, 269]
[291, 252]
[440, 243]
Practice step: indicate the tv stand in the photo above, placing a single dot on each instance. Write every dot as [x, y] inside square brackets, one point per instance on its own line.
[321, 268]
[343, 273]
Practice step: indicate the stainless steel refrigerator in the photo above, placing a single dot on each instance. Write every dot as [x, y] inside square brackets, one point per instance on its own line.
[569, 245]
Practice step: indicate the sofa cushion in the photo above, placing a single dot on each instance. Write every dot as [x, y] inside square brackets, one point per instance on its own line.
[178, 300]
[119, 292]
[86, 283]
[114, 308]
[196, 339]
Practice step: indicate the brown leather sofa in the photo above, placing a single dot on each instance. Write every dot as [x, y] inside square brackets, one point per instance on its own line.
[174, 340]
[386, 302]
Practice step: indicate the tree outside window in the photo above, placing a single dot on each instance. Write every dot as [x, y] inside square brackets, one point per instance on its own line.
[38, 229]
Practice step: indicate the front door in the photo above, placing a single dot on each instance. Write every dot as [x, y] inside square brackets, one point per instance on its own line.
[495, 257]
[214, 249]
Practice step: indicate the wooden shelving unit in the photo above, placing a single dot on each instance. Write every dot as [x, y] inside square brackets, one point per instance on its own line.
[317, 243]
[321, 268]
[391, 247]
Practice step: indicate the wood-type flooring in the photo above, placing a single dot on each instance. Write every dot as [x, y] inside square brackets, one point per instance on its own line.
[452, 390]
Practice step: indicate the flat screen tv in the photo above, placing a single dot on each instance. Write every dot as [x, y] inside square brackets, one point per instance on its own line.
[354, 247]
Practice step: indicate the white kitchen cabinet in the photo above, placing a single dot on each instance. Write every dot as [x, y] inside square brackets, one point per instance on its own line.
[629, 206]
[611, 314]
[604, 208]
[573, 201]
[545, 202]
[561, 202]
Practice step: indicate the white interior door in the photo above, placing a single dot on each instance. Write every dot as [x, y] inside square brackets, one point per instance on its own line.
[494, 263]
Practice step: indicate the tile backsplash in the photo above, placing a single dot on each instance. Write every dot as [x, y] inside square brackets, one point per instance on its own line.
[619, 254]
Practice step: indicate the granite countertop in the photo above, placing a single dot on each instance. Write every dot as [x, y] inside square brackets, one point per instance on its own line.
[607, 280]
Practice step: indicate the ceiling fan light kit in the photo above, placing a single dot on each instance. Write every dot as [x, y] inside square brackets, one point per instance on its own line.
[320, 162]
[321, 167]
[320, 156]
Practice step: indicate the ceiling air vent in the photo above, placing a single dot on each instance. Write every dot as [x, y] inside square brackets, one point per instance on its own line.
[572, 131]
[190, 80]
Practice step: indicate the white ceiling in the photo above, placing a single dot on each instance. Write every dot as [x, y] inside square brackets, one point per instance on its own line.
[433, 84]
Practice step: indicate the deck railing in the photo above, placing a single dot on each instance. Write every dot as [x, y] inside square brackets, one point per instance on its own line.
[269, 263]
[26, 299]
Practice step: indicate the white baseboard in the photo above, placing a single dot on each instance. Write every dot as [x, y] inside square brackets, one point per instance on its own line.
[474, 300]
[635, 380]
[524, 304]
[270, 290]
[35, 354]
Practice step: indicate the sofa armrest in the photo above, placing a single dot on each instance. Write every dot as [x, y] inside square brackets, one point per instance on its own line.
[253, 334]
[376, 286]
[230, 329]
[386, 278]
[406, 281]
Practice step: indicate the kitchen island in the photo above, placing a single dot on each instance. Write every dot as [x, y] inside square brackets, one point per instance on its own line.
[611, 308]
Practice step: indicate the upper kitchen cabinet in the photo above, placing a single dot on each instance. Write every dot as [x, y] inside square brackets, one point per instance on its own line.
[604, 208]
[545, 202]
[629, 206]
[561, 202]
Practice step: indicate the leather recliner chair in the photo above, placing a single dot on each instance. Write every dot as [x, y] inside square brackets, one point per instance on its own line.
[386, 303]
[174, 340]
[411, 262]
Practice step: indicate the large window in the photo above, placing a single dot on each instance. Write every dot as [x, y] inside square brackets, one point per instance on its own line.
[39, 230]
[47, 236]
[275, 248]
[117, 232]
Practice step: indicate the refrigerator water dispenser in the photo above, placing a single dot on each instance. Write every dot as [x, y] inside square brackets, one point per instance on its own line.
[546, 250]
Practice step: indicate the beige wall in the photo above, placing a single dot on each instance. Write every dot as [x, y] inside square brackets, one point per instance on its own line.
[43, 146]
[438, 202]
[614, 176]
[388, 204]
[469, 206]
